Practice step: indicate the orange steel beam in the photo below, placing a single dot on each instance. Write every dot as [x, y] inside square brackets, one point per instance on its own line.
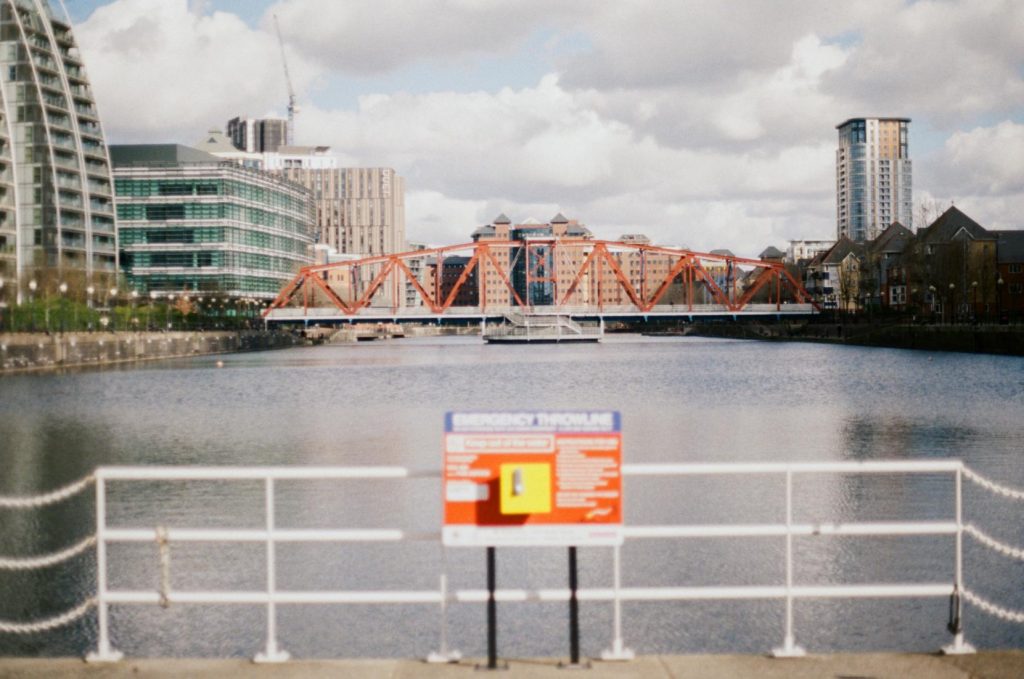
[599, 254]
[762, 279]
[377, 281]
[709, 281]
[579, 275]
[504, 276]
[667, 281]
[419, 288]
[462, 279]
[621, 278]
[331, 295]
[286, 293]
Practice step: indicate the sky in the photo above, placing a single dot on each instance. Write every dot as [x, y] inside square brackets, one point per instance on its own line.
[700, 123]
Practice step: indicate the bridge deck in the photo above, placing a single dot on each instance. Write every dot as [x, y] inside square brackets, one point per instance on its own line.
[463, 314]
[983, 665]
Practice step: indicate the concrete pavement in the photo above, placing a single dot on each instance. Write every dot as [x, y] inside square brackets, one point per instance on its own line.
[984, 665]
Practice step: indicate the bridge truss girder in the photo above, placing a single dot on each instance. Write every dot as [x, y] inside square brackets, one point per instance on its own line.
[546, 262]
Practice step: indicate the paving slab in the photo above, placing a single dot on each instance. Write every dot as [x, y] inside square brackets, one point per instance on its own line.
[984, 665]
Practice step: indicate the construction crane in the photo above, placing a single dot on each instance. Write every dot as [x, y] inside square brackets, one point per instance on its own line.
[292, 108]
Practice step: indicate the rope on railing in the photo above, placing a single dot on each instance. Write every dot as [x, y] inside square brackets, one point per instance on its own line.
[164, 551]
[49, 623]
[992, 543]
[47, 560]
[1005, 491]
[53, 497]
[993, 609]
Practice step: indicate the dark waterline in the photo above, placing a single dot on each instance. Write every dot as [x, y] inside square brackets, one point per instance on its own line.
[682, 399]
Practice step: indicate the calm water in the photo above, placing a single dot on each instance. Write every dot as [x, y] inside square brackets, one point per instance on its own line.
[682, 399]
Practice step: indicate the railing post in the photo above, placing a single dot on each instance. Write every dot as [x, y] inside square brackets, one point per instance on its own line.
[272, 653]
[789, 649]
[103, 651]
[617, 651]
[959, 646]
[443, 655]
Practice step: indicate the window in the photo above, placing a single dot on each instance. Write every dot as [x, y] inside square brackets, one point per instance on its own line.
[1016, 268]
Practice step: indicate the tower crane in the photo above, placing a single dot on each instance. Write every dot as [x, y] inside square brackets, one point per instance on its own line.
[292, 108]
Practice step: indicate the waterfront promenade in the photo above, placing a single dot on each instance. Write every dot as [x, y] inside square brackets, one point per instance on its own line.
[983, 665]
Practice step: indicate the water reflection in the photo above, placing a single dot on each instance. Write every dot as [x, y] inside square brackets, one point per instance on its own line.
[383, 404]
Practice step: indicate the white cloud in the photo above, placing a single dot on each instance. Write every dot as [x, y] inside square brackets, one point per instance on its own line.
[162, 70]
[375, 37]
[986, 160]
[699, 123]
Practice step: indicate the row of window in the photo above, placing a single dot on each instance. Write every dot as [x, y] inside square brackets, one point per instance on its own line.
[159, 212]
[215, 258]
[198, 282]
[214, 234]
[143, 188]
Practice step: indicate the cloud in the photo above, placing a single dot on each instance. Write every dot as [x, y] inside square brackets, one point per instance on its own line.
[376, 37]
[980, 171]
[949, 61]
[700, 123]
[163, 70]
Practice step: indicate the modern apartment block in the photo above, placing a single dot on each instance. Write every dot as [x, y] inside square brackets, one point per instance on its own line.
[56, 199]
[191, 222]
[359, 210]
[258, 135]
[874, 183]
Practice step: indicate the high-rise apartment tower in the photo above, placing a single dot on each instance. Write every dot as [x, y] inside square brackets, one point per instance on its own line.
[56, 205]
[874, 186]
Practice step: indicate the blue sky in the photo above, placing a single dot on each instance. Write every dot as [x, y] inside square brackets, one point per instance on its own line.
[700, 123]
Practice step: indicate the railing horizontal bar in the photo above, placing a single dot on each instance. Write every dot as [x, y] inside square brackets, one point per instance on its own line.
[256, 535]
[780, 529]
[866, 467]
[169, 473]
[279, 597]
[750, 592]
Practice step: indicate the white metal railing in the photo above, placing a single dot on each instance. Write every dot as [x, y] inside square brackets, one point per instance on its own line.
[273, 537]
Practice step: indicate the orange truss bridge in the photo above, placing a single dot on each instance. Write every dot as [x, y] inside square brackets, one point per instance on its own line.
[582, 278]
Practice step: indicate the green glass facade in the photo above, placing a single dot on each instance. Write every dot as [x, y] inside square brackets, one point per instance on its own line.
[210, 227]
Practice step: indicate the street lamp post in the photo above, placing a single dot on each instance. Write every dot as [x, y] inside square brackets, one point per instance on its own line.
[167, 311]
[149, 310]
[135, 300]
[32, 285]
[999, 299]
[111, 304]
[931, 294]
[89, 291]
[63, 288]
[974, 300]
[952, 302]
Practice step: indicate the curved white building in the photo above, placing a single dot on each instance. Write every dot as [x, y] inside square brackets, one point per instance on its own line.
[56, 199]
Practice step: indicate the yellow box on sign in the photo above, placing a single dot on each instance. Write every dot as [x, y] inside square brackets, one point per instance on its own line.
[525, 488]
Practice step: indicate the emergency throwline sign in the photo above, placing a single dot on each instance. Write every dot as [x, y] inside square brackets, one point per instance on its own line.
[533, 478]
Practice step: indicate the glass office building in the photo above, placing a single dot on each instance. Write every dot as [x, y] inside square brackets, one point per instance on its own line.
[190, 222]
[56, 203]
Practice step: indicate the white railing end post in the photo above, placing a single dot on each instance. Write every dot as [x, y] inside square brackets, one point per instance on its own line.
[442, 658]
[618, 653]
[273, 654]
[789, 649]
[959, 646]
[104, 655]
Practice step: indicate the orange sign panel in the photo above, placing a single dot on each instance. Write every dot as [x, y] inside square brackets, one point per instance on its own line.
[533, 478]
